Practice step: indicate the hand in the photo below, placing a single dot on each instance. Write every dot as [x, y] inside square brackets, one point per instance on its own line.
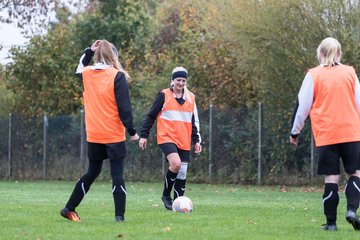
[293, 141]
[95, 45]
[198, 148]
[134, 137]
[143, 143]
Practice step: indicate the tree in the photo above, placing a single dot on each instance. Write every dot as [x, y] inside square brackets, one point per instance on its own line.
[42, 74]
[34, 15]
[122, 22]
[125, 23]
[278, 40]
[5, 96]
[185, 36]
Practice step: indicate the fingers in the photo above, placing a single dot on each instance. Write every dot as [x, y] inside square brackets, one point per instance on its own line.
[95, 45]
[293, 141]
[143, 143]
[198, 148]
[142, 146]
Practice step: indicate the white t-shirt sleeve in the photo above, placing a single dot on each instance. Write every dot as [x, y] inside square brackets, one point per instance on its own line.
[357, 94]
[305, 101]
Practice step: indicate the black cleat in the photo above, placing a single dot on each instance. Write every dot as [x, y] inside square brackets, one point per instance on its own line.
[119, 219]
[330, 227]
[167, 202]
[353, 219]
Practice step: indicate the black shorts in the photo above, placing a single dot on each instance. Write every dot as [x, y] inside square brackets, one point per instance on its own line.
[330, 155]
[168, 148]
[99, 151]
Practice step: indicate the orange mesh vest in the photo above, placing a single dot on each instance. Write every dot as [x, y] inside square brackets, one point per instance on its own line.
[334, 114]
[174, 121]
[103, 124]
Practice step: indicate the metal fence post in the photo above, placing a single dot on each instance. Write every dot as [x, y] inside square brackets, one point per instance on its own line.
[45, 145]
[163, 160]
[312, 158]
[259, 142]
[210, 141]
[10, 148]
[82, 139]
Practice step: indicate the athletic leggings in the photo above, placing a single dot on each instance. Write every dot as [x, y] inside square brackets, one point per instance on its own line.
[118, 184]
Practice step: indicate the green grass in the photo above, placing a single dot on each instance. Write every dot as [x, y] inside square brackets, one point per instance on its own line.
[30, 210]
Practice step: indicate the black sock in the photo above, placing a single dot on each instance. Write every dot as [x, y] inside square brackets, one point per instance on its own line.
[331, 202]
[119, 194]
[169, 182]
[118, 185]
[352, 193]
[179, 188]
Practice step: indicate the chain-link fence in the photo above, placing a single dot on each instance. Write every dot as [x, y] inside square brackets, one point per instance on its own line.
[239, 146]
[4, 143]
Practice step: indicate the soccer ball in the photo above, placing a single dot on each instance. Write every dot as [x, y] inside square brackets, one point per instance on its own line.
[182, 204]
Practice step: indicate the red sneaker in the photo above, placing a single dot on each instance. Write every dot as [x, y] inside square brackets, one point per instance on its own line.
[71, 215]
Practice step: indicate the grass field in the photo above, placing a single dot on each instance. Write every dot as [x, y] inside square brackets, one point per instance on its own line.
[30, 210]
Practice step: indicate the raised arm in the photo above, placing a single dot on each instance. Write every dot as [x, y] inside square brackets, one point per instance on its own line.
[85, 59]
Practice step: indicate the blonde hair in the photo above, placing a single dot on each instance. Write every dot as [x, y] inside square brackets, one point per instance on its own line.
[107, 54]
[329, 52]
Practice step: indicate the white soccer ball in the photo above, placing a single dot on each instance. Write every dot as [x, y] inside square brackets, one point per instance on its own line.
[182, 204]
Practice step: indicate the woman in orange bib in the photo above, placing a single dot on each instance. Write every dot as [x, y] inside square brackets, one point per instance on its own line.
[177, 127]
[108, 115]
[330, 93]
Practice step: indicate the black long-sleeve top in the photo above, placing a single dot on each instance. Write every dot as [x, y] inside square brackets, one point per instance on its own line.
[120, 88]
[154, 111]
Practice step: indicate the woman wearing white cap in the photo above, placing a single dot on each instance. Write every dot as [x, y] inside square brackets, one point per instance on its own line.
[177, 127]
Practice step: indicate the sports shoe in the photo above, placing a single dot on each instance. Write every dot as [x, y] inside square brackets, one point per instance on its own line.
[71, 215]
[353, 219]
[119, 219]
[330, 227]
[167, 202]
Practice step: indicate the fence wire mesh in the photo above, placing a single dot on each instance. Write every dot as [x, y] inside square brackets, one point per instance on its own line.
[53, 147]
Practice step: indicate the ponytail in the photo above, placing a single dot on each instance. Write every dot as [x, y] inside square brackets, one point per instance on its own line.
[329, 52]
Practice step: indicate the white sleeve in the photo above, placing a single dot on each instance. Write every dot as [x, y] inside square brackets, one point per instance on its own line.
[305, 101]
[197, 122]
[81, 66]
[84, 60]
[357, 94]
